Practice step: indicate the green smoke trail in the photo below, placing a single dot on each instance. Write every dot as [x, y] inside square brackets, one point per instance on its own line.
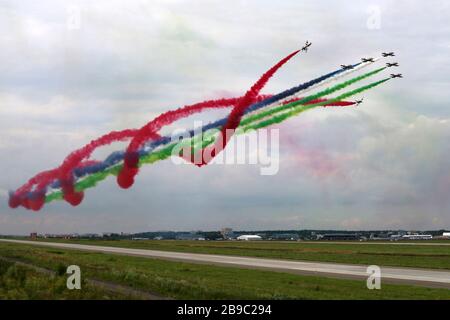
[280, 118]
[297, 107]
[92, 180]
[309, 98]
[208, 138]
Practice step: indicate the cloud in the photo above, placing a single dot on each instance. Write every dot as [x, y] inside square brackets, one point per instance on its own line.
[383, 164]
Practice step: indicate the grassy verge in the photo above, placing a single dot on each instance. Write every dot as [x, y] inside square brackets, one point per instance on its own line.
[23, 283]
[418, 256]
[192, 281]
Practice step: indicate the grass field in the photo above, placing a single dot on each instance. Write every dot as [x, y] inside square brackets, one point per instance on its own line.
[193, 281]
[20, 283]
[419, 256]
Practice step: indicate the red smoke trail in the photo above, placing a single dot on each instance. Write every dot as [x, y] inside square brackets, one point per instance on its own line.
[332, 104]
[147, 132]
[44, 178]
[125, 179]
[233, 120]
[217, 147]
[41, 180]
[238, 111]
[64, 172]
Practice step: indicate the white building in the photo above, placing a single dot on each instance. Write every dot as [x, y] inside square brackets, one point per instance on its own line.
[417, 237]
[249, 237]
[446, 234]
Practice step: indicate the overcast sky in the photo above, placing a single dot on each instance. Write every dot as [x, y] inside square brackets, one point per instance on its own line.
[66, 79]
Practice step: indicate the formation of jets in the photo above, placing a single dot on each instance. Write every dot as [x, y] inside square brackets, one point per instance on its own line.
[394, 64]
[306, 46]
[349, 67]
[388, 64]
[364, 60]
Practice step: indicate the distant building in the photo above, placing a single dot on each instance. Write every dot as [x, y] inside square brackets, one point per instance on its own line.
[249, 237]
[446, 234]
[380, 236]
[33, 235]
[417, 237]
[189, 236]
[285, 236]
[339, 236]
[90, 235]
[166, 235]
[396, 237]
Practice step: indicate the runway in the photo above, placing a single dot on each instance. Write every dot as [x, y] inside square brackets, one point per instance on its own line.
[424, 277]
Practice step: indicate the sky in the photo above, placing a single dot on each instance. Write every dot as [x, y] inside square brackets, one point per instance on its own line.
[74, 70]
